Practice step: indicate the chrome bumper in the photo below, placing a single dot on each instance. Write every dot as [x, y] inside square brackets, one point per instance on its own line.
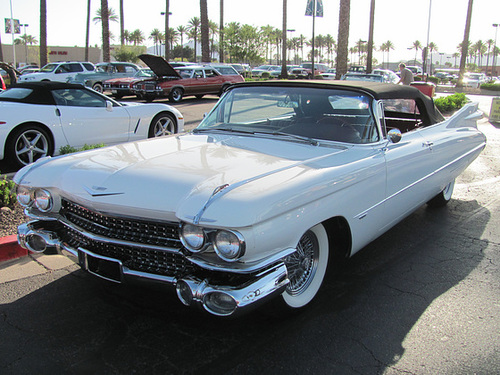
[221, 300]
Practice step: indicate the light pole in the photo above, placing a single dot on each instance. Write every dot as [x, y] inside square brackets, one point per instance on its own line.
[25, 25]
[494, 65]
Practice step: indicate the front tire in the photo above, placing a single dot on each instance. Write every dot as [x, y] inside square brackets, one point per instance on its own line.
[443, 197]
[175, 95]
[307, 267]
[162, 124]
[28, 144]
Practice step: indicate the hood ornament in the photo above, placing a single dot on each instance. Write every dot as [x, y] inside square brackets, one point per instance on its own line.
[99, 191]
[216, 191]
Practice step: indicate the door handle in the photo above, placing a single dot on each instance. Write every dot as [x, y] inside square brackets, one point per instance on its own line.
[428, 144]
[58, 112]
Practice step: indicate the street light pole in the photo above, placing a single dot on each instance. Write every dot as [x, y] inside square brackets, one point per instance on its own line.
[166, 14]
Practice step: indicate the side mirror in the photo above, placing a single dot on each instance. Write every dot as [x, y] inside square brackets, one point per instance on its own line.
[109, 106]
[394, 135]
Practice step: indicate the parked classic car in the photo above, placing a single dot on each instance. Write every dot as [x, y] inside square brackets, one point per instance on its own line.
[120, 87]
[182, 81]
[37, 118]
[104, 71]
[362, 77]
[279, 182]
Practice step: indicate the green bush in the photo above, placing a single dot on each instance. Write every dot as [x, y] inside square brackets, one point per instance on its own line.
[7, 192]
[491, 86]
[450, 103]
[70, 149]
[433, 79]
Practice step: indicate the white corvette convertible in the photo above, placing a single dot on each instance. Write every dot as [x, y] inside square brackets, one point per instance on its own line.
[280, 181]
[40, 117]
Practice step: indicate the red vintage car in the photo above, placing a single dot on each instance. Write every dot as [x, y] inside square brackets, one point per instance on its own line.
[120, 87]
[182, 81]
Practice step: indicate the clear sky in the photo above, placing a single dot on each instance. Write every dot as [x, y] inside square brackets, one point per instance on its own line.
[400, 21]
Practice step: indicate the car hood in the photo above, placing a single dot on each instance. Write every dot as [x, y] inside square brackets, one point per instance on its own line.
[174, 178]
[159, 66]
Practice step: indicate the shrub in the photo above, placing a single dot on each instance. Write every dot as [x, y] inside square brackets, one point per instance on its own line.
[451, 103]
[70, 149]
[7, 192]
[491, 86]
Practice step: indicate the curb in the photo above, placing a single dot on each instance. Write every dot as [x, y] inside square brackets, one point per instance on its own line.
[10, 249]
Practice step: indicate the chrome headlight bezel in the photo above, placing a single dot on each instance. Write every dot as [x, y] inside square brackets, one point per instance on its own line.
[229, 252]
[193, 237]
[24, 196]
[43, 200]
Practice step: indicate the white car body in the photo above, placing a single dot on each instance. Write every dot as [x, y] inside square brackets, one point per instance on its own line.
[474, 80]
[59, 72]
[109, 123]
[267, 192]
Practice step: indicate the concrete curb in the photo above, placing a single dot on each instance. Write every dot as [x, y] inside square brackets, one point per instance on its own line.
[10, 249]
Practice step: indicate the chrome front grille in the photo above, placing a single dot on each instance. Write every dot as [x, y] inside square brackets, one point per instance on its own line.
[141, 232]
[124, 229]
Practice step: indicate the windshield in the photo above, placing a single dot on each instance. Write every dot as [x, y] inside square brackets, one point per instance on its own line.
[48, 68]
[311, 113]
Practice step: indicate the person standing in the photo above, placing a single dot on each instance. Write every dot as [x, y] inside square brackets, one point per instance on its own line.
[406, 75]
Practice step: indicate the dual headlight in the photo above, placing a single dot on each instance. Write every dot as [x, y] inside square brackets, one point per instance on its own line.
[228, 245]
[40, 198]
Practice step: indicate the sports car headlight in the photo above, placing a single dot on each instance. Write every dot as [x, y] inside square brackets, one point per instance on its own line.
[43, 200]
[24, 196]
[228, 245]
[193, 237]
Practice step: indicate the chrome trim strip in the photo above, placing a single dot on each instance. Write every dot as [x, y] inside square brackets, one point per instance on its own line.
[365, 212]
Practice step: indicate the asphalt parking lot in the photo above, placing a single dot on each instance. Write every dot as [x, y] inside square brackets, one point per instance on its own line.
[423, 298]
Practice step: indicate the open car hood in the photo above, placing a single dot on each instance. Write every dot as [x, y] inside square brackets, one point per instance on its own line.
[159, 66]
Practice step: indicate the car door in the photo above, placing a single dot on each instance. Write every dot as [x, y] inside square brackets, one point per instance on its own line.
[197, 83]
[87, 118]
[64, 71]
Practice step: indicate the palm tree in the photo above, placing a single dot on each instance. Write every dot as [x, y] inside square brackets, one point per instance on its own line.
[267, 34]
[104, 18]
[489, 43]
[465, 44]
[122, 24]
[155, 35]
[172, 36]
[416, 45]
[87, 33]
[182, 30]
[221, 32]
[388, 46]
[343, 37]
[213, 30]
[205, 41]
[137, 37]
[111, 15]
[194, 27]
[43, 33]
[432, 47]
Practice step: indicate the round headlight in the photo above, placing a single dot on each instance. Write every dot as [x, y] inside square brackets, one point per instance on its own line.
[24, 196]
[229, 245]
[192, 237]
[43, 200]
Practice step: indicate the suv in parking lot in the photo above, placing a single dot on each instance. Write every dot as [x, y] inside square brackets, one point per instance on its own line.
[58, 71]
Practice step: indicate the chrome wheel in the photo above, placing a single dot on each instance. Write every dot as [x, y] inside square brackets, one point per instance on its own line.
[443, 197]
[162, 124]
[307, 267]
[176, 95]
[98, 87]
[31, 145]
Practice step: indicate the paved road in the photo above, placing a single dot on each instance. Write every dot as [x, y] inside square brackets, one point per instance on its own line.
[422, 299]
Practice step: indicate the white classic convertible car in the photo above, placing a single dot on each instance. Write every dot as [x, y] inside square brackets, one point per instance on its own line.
[38, 118]
[278, 182]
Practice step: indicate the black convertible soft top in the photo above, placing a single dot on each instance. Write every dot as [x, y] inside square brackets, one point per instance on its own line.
[377, 90]
[40, 94]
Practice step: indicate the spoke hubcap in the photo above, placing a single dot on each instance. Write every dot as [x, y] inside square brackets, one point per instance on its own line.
[302, 264]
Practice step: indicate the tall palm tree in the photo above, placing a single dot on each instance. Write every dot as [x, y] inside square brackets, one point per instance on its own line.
[465, 44]
[221, 32]
[388, 46]
[343, 37]
[432, 47]
[267, 33]
[489, 43]
[87, 33]
[111, 15]
[205, 41]
[104, 19]
[122, 24]
[43, 33]
[416, 45]
[213, 30]
[194, 29]
[173, 37]
[137, 37]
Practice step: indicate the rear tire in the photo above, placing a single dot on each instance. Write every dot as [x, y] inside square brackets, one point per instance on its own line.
[27, 144]
[443, 197]
[98, 87]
